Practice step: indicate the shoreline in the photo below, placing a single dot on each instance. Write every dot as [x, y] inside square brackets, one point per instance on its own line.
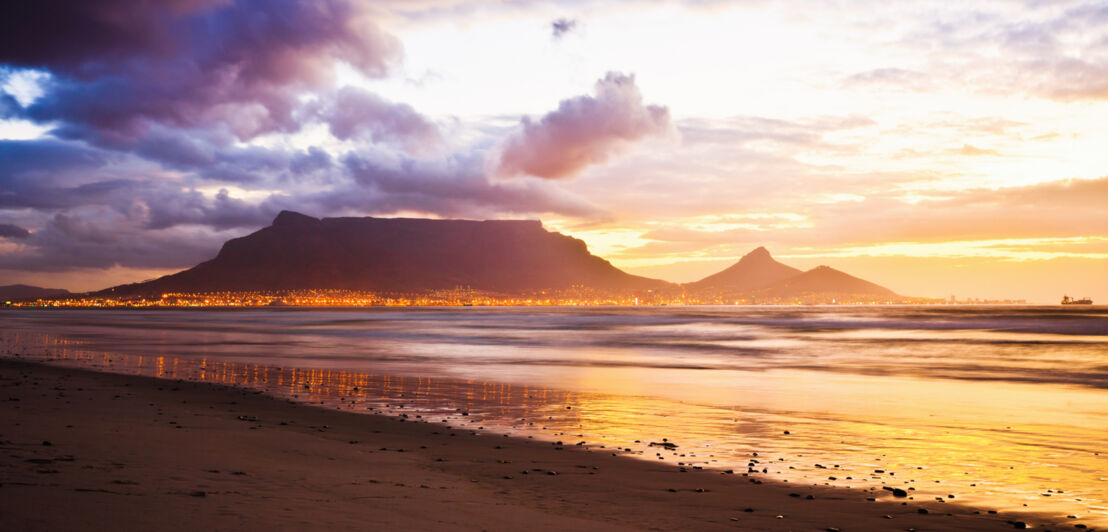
[123, 445]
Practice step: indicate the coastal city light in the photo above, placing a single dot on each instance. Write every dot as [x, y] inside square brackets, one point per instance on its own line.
[581, 296]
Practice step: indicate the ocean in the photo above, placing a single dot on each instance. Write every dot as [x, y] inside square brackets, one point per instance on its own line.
[1001, 407]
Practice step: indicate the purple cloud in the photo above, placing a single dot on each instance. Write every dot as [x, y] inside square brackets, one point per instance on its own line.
[88, 207]
[118, 66]
[353, 113]
[153, 107]
[451, 186]
[13, 231]
[560, 27]
[583, 131]
[101, 239]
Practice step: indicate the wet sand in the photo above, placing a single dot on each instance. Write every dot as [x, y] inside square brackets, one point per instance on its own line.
[87, 450]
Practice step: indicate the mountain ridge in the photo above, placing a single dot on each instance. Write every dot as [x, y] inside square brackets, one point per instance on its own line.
[505, 257]
[14, 292]
[754, 270]
[758, 276]
[398, 255]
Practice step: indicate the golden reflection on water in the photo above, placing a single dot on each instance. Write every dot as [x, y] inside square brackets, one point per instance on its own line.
[986, 455]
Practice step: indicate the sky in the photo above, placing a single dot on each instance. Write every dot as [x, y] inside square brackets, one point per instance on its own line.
[936, 148]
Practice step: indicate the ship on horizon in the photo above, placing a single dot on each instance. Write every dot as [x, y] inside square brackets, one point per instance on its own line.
[1067, 300]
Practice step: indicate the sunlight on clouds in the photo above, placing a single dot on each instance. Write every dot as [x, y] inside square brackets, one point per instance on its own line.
[231, 191]
[21, 130]
[840, 198]
[687, 261]
[603, 242]
[1008, 249]
[24, 85]
[9, 246]
[749, 221]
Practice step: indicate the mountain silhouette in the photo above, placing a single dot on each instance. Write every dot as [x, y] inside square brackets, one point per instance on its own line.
[758, 277]
[398, 255]
[754, 270]
[15, 292]
[826, 281]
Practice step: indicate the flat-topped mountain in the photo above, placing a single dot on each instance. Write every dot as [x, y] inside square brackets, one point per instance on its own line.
[758, 277]
[14, 292]
[398, 255]
[754, 270]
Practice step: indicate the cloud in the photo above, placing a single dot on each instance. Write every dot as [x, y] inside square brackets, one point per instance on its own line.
[49, 175]
[114, 209]
[13, 231]
[44, 160]
[974, 151]
[99, 238]
[1055, 53]
[353, 113]
[1063, 208]
[449, 186]
[9, 106]
[738, 130]
[583, 131]
[1067, 209]
[116, 67]
[560, 27]
[891, 78]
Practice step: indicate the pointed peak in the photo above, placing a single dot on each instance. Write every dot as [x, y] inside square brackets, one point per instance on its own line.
[758, 253]
[290, 218]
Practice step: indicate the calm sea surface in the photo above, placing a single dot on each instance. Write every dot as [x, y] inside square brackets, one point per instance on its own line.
[999, 406]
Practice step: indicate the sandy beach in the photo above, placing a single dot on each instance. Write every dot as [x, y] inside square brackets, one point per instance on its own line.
[87, 450]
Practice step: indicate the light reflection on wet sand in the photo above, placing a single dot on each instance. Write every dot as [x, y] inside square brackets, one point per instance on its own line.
[993, 459]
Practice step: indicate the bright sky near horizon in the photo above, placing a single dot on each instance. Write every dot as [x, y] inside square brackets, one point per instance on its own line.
[935, 148]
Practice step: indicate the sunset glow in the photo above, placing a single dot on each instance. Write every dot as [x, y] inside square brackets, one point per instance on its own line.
[935, 148]
[554, 264]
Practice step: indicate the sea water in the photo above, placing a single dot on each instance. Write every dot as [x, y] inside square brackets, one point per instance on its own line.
[1000, 407]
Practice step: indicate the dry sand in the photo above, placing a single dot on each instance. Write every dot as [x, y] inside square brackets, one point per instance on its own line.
[96, 451]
